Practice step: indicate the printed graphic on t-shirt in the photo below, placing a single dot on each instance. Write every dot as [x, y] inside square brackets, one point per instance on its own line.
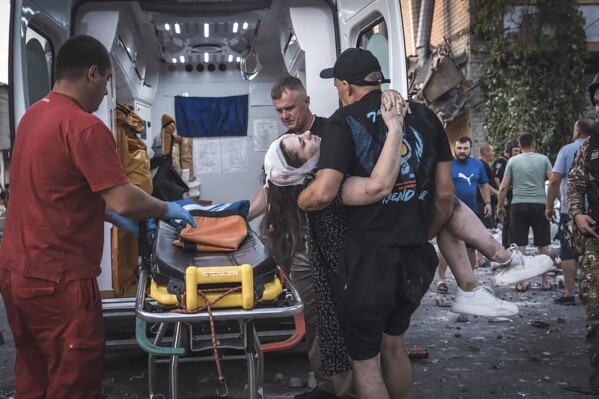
[369, 146]
[411, 154]
[467, 178]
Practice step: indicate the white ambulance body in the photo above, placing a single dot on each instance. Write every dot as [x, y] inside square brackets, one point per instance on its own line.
[198, 48]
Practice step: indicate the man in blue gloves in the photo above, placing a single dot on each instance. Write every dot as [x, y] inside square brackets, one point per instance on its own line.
[66, 179]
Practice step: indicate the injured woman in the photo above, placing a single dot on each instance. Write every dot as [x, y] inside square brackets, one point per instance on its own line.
[290, 165]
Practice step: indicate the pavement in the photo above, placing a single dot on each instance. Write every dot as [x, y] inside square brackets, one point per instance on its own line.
[540, 353]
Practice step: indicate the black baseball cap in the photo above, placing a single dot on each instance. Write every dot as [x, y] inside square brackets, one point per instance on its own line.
[354, 65]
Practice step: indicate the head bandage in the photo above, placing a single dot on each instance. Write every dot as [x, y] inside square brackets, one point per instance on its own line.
[281, 174]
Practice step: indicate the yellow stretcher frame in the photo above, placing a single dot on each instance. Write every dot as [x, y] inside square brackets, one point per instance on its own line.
[182, 322]
[272, 289]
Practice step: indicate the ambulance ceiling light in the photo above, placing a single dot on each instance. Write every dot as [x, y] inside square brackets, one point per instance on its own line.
[238, 59]
[206, 57]
[174, 60]
[182, 58]
[177, 29]
[206, 30]
[245, 25]
[235, 27]
[230, 57]
[206, 48]
[167, 27]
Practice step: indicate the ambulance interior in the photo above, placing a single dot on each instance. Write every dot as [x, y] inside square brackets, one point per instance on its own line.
[164, 49]
[161, 50]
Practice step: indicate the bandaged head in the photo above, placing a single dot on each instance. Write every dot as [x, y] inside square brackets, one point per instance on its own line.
[279, 172]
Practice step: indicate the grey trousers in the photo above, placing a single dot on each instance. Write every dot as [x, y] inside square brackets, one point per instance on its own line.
[301, 275]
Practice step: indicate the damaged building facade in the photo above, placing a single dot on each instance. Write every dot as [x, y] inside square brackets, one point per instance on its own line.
[442, 65]
[446, 63]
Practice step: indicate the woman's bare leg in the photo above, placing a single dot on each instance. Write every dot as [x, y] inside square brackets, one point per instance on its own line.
[454, 252]
[442, 268]
[466, 226]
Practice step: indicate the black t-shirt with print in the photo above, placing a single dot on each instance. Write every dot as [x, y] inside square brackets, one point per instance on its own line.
[499, 170]
[499, 167]
[480, 203]
[353, 142]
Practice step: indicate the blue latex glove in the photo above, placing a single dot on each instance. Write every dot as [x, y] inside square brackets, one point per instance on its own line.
[127, 225]
[178, 216]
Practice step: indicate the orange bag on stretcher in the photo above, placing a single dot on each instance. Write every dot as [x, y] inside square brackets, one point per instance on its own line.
[215, 232]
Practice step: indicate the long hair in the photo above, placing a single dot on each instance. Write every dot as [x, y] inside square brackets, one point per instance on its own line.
[283, 224]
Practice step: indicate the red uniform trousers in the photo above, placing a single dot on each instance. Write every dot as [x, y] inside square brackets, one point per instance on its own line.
[59, 336]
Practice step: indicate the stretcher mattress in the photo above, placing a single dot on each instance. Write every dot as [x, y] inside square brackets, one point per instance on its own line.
[171, 262]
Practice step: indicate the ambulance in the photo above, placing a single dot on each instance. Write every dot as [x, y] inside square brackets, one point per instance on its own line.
[165, 51]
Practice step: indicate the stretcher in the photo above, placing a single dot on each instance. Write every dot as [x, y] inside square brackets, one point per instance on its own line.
[178, 289]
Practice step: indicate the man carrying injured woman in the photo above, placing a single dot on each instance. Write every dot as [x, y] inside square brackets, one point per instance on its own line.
[328, 226]
[288, 163]
[285, 182]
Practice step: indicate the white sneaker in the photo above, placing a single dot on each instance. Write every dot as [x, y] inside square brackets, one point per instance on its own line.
[482, 302]
[522, 267]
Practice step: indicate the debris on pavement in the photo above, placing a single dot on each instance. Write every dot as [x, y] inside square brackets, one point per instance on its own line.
[540, 324]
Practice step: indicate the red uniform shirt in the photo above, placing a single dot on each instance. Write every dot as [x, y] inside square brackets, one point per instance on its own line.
[62, 157]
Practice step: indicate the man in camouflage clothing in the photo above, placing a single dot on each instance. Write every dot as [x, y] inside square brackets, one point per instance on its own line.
[582, 185]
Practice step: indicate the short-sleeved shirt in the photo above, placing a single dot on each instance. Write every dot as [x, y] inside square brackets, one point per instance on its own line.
[528, 172]
[499, 171]
[563, 164]
[354, 140]
[491, 177]
[466, 176]
[62, 157]
[499, 167]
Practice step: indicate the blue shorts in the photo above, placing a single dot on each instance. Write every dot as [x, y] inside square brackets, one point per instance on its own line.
[565, 253]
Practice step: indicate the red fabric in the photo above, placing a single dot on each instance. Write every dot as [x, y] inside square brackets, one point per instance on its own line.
[62, 157]
[59, 336]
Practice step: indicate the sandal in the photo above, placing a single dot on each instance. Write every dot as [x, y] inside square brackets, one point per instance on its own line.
[442, 288]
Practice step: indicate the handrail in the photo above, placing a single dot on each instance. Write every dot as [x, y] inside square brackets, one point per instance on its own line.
[221, 314]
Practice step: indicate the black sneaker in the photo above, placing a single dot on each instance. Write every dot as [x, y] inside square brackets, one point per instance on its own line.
[565, 300]
[316, 393]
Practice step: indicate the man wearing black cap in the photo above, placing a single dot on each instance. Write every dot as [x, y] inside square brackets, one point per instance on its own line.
[386, 263]
[583, 206]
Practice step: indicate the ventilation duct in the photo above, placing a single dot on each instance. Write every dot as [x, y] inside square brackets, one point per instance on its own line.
[425, 24]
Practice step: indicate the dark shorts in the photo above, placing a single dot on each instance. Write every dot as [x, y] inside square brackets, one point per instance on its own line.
[505, 232]
[525, 216]
[379, 287]
[565, 253]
